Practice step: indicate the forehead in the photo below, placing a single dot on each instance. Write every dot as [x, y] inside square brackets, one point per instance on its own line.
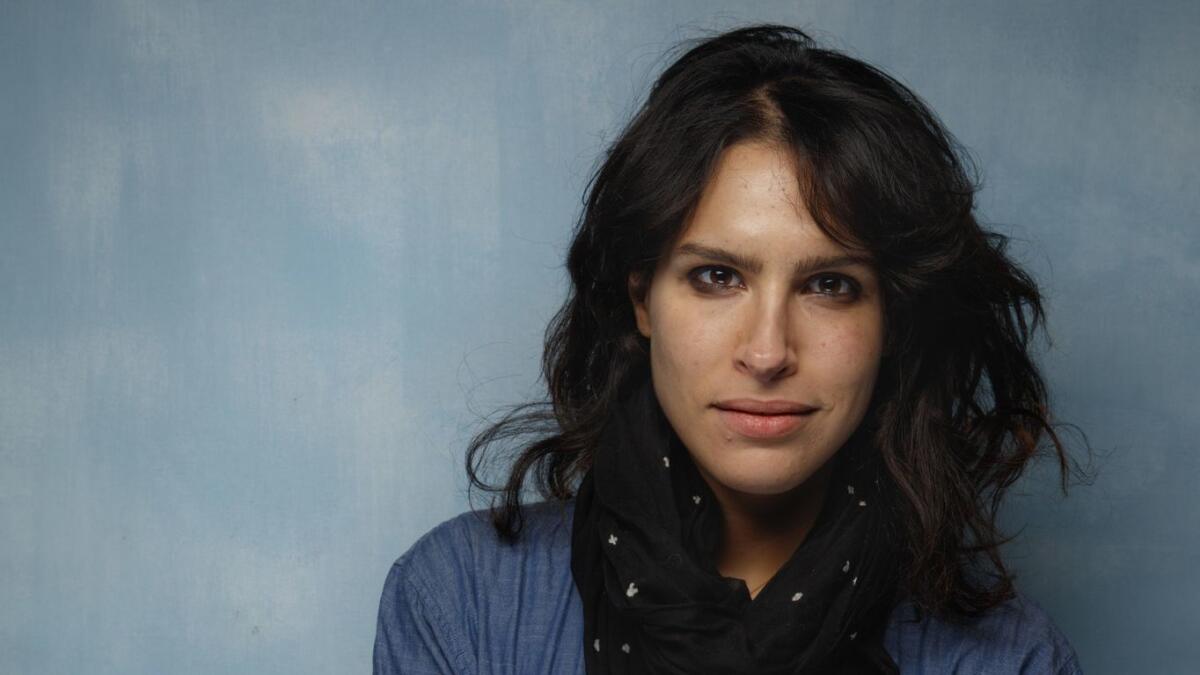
[753, 204]
[754, 175]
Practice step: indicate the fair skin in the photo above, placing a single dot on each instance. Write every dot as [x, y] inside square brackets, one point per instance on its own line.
[754, 306]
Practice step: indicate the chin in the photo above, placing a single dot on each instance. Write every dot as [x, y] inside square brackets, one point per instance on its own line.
[758, 472]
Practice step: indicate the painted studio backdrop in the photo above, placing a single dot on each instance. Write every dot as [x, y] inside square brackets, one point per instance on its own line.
[265, 267]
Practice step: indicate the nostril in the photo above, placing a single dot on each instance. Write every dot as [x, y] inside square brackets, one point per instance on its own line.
[765, 368]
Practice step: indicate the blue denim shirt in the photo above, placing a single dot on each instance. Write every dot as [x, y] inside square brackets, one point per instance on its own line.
[460, 601]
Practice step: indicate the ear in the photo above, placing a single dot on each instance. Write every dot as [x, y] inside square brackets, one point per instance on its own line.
[638, 292]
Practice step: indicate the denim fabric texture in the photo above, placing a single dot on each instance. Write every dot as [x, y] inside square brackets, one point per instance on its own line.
[460, 601]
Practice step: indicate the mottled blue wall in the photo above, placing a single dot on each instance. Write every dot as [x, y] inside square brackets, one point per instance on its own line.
[263, 265]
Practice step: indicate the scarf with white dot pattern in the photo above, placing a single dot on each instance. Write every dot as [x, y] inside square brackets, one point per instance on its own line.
[645, 537]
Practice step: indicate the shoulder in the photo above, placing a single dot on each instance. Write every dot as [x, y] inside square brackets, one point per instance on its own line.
[460, 597]
[1017, 637]
[420, 628]
[466, 550]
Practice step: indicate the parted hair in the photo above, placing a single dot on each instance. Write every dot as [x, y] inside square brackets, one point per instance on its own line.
[961, 407]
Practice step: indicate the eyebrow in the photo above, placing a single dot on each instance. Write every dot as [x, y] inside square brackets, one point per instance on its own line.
[802, 266]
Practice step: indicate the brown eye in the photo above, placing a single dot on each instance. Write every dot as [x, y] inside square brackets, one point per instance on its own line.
[714, 278]
[835, 286]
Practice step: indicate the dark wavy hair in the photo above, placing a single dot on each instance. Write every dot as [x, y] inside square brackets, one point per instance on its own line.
[961, 406]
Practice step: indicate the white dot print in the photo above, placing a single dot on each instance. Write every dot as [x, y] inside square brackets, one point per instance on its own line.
[854, 581]
[625, 647]
[696, 499]
[850, 489]
[797, 596]
[667, 462]
[632, 590]
[853, 635]
[846, 567]
[612, 539]
[596, 644]
[862, 503]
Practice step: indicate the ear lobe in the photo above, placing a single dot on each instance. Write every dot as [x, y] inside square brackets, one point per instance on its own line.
[637, 297]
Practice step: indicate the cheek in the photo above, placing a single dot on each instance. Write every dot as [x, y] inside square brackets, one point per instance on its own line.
[847, 354]
[687, 340]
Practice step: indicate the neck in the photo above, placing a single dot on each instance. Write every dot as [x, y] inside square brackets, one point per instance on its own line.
[761, 532]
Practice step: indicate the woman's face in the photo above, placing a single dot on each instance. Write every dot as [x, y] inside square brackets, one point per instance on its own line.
[765, 335]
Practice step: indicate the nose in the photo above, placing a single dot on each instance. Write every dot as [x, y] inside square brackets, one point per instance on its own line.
[765, 350]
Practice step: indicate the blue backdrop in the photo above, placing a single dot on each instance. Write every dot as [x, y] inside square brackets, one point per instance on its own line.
[264, 266]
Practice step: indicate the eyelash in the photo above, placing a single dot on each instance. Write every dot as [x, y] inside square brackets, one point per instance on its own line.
[710, 287]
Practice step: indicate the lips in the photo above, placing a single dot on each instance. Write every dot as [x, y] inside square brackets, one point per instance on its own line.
[773, 407]
[763, 419]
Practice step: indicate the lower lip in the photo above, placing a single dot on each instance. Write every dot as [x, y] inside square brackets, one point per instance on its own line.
[762, 426]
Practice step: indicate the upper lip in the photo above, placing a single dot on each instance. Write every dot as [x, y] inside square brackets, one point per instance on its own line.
[757, 407]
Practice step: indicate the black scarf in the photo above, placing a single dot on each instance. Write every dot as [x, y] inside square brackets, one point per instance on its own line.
[645, 536]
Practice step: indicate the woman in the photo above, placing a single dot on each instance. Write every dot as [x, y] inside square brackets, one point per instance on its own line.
[788, 392]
